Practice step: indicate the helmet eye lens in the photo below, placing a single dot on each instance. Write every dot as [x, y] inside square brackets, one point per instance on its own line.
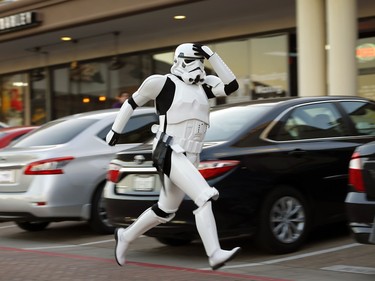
[188, 60]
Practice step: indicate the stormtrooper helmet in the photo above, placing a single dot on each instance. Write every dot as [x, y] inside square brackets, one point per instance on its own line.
[188, 65]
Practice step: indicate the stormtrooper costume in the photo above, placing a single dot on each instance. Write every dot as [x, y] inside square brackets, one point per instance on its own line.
[181, 100]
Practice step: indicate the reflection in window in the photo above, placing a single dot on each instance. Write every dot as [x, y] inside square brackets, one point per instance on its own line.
[79, 88]
[137, 130]
[13, 92]
[310, 122]
[362, 115]
[38, 97]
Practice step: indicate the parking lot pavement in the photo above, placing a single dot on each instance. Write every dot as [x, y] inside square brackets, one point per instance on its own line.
[30, 265]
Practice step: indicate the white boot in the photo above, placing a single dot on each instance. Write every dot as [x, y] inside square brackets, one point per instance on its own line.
[206, 226]
[124, 237]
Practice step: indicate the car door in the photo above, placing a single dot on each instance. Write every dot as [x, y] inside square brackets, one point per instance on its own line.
[316, 142]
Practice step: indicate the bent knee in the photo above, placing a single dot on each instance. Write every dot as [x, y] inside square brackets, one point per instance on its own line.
[162, 216]
[208, 194]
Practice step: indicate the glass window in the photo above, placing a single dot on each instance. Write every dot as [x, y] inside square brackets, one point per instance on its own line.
[14, 90]
[309, 122]
[269, 58]
[79, 88]
[365, 53]
[137, 130]
[38, 97]
[225, 123]
[362, 115]
[56, 132]
[126, 78]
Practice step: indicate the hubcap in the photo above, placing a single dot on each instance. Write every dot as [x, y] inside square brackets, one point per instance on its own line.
[287, 218]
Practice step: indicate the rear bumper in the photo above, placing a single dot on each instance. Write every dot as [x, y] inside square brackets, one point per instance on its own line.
[18, 207]
[361, 214]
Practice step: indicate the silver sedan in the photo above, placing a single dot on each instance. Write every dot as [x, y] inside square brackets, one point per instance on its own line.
[58, 172]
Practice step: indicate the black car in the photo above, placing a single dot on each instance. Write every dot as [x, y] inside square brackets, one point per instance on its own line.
[360, 202]
[280, 165]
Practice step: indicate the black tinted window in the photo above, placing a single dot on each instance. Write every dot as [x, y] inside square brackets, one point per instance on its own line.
[225, 123]
[362, 115]
[137, 130]
[321, 120]
[55, 132]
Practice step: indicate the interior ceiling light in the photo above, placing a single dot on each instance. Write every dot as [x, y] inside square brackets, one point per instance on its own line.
[179, 17]
[66, 38]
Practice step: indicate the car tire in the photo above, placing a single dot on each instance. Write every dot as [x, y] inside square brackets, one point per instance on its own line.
[173, 241]
[32, 225]
[284, 221]
[99, 220]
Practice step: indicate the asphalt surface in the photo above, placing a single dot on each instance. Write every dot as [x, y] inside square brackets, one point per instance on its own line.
[27, 265]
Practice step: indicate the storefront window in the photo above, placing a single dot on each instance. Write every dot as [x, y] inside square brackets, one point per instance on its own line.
[260, 65]
[269, 67]
[14, 92]
[38, 97]
[365, 54]
[127, 78]
[79, 88]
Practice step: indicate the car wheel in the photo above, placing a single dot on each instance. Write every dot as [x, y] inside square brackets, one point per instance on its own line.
[99, 221]
[32, 225]
[284, 221]
[173, 241]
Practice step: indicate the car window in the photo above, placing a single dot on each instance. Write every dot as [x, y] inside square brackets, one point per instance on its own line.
[55, 132]
[311, 121]
[224, 123]
[362, 115]
[137, 130]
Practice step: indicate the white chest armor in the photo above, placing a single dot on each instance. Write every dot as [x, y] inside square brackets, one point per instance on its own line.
[188, 116]
[190, 102]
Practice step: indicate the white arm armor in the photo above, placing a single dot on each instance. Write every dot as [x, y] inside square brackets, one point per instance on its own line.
[222, 70]
[122, 117]
[149, 90]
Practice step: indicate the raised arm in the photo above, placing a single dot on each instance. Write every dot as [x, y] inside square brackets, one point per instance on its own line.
[227, 83]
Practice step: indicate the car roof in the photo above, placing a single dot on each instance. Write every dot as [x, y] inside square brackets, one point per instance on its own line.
[291, 100]
[101, 114]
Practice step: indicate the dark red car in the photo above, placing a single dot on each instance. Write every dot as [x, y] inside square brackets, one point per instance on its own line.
[9, 134]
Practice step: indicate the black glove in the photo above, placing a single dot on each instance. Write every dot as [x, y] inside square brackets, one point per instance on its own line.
[201, 50]
[112, 138]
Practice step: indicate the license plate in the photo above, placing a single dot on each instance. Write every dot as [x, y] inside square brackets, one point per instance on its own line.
[7, 176]
[144, 183]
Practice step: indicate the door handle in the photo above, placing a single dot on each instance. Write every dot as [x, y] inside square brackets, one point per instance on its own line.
[297, 152]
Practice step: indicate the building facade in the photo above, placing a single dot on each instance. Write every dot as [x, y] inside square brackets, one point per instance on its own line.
[60, 57]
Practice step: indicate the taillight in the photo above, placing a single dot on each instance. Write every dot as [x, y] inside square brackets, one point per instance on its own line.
[213, 169]
[53, 166]
[355, 173]
[113, 173]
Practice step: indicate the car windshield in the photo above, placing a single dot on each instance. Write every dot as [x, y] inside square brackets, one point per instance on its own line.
[225, 123]
[55, 132]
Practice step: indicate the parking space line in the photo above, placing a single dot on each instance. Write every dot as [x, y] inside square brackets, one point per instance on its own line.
[296, 257]
[70, 246]
[351, 269]
[8, 226]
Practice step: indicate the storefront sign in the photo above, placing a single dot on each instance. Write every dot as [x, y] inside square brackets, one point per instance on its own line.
[18, 21]
[366, 52]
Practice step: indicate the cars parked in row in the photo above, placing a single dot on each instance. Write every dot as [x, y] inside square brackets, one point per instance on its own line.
[10, 134]
[280, 165]
[58, 171]
[360, 201]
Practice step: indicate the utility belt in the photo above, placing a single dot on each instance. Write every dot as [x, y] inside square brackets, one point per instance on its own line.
[180, 144]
